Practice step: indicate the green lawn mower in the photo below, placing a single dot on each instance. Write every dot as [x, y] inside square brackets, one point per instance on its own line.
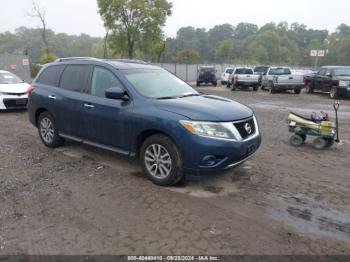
[318, 126]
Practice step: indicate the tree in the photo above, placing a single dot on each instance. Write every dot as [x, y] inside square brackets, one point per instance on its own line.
[40, 13]
[224, 51]
[187, 56]
[129, 20]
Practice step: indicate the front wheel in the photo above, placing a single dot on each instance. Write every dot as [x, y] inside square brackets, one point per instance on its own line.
[319, 143]
[272, 88]
[297, 140]
[48, 131]
[161, 160]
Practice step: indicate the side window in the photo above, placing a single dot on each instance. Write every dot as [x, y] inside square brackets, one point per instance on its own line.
[102, 79]
[76, 78]
[50, 76]
[322, 72]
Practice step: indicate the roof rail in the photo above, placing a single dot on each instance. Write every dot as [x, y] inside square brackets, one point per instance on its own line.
[76, 58]
[133, 61]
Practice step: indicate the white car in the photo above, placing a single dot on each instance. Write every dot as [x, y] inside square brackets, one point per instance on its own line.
[13, 91]
[225, 75]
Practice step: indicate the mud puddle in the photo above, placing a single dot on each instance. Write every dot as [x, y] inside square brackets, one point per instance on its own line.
[310, 217]
[229, 182]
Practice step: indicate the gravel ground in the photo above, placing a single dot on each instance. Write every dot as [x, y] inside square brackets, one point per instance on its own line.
[81, 200]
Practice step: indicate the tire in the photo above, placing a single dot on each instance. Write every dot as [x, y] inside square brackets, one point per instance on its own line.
[272, 88]
[48, 131]
[198, 83]
[228, 85]
[296, 140]
[297, 91]
[330, 142]
[319, 143]
[234, 87]
[334, 93]
[166, 173]
[262, 87]
[215, 83]
[255, 88]
[309, 89]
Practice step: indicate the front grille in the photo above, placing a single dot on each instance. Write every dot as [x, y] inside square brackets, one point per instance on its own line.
[244, 127]
[14, 94]
[15, 103]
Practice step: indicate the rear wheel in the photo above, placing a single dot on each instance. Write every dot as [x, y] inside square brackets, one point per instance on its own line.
[296, 140]
[161, 160]
[48, 131]
[319, 143]
[334, 93]
[309, 89]
[297, 91]
[272, 88]
[255, 88]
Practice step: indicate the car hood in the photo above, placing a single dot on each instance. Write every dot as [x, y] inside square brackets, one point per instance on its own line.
[206, 108]
[14, 88]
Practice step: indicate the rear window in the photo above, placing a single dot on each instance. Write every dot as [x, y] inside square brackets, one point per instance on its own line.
[207, 69]
[244, 71]
[280, 71]
[77, 78]
[50, 76]
[229, 71]
[261, 69]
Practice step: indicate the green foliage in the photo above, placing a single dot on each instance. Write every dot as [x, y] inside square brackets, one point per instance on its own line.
[225, 51]
[132, 21]
[34, 69]
[187, 56]
[48, 58]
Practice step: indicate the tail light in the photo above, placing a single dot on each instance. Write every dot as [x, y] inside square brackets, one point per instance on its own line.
[30, 90]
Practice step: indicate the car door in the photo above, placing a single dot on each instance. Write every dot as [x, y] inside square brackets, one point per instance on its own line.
[327, 82]
[74, 88]
[319, 79]
[107, 121]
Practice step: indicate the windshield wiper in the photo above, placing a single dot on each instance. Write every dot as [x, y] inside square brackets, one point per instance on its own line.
[167, 97]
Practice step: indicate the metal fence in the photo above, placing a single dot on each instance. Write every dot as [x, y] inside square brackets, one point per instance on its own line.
[189, 72]
[17, 64]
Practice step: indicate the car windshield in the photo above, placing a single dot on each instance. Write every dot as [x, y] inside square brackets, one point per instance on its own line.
[207, 69]
[229, 71]
[9, 78]
[244, 71]
[261, 69]
[158, 84]
[280, 71]
[342, 71]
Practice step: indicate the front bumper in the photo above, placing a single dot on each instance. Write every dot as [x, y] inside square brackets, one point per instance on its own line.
[343, 91]
[205, 156]
[13, 101]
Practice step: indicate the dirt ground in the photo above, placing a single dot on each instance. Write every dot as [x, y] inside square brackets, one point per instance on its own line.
[78, 200]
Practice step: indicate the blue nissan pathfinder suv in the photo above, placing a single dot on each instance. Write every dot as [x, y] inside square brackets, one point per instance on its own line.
[143, 111]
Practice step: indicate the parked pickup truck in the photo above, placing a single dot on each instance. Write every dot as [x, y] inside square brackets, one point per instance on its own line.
[281, 78]
[332, 79]
[244, 77]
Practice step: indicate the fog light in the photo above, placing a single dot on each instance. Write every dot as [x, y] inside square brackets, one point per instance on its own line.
[210, 161]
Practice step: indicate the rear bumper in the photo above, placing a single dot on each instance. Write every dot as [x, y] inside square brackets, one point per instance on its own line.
[288, 87]
[13, 102]
[246, 83]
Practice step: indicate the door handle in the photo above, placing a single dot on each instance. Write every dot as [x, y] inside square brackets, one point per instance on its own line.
[52, 97]
[89, 106]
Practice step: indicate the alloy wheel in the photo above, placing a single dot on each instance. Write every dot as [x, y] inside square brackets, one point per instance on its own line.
[158, 161]
[46, 130]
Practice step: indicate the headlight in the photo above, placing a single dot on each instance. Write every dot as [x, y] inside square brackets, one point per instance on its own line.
[209, 129]
[343, 83]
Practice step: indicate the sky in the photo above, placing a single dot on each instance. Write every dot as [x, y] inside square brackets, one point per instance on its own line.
[81, 16]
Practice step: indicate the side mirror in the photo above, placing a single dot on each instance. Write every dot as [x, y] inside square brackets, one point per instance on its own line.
[115, 93]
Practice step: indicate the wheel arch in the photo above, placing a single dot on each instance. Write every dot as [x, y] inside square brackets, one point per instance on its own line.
[38, 112]
[141, 138]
